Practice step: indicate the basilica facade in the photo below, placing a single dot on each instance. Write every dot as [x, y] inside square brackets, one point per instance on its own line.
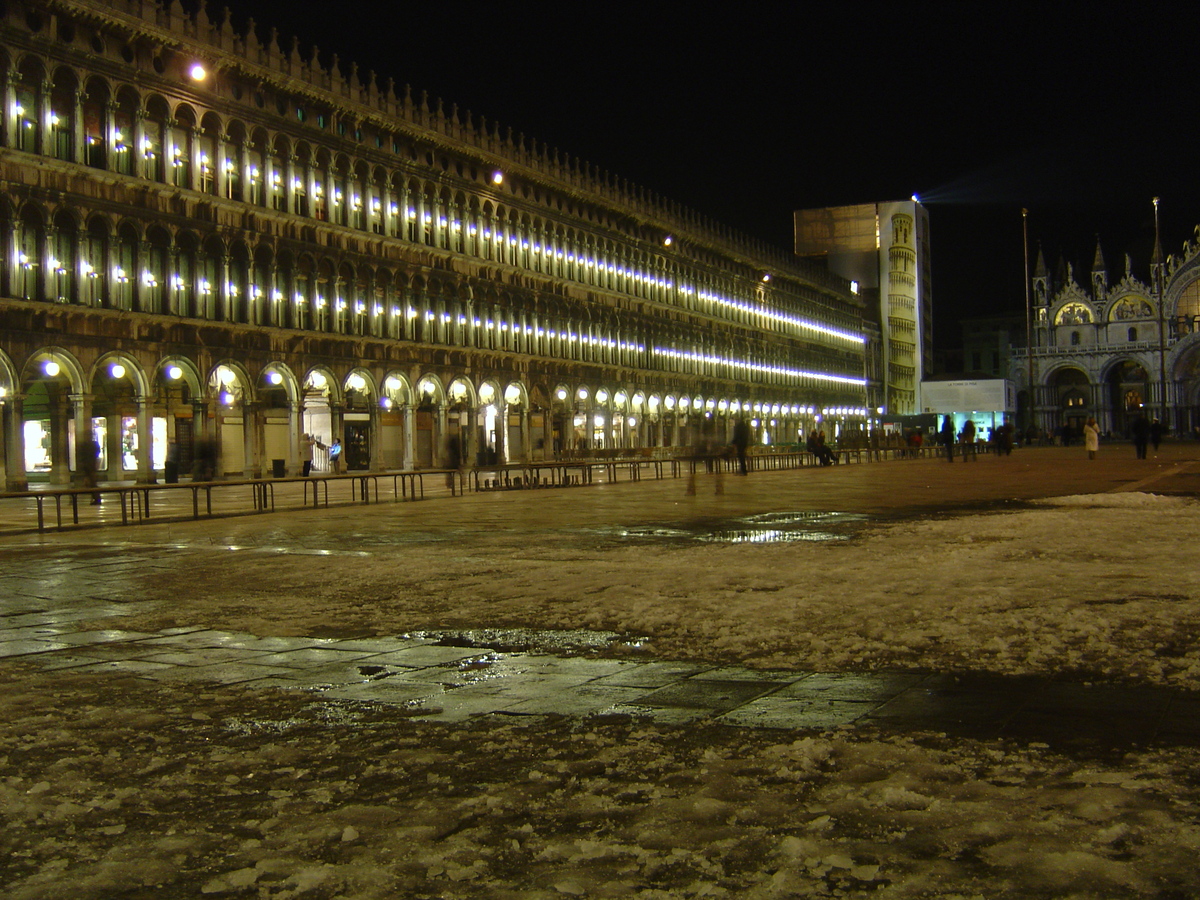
[210, 239]
[1114, 348]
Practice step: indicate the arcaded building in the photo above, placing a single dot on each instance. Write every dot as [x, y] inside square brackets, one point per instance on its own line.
[212, 239]
[1116, 347]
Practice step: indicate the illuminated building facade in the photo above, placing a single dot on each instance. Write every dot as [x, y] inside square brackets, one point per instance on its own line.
[883, 248]
[210, 239]
[1108, 348]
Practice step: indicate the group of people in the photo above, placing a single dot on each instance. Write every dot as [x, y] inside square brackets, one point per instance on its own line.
[819, 449]
[1146, 434]
[306, 451]
[965, 438]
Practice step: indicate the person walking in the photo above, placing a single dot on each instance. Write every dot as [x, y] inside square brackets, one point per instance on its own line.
[968, 441]
[946, 436]
[1141, 435]
[741, 440]
[1006, 439]
[89, 463]
[335, 457]
[1091, 437]
[1156, 435]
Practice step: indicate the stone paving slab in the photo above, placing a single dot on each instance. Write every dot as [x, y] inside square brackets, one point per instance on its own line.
[30, 647]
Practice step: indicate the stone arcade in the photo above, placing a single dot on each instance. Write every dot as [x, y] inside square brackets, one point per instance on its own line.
[211, 238]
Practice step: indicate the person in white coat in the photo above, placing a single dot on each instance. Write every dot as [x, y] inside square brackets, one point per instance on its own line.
[1091, 437]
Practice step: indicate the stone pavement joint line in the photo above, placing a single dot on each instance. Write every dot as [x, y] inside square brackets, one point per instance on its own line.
[429, 680]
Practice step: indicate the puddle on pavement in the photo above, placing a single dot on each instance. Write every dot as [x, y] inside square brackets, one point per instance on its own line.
[767, 528]
[533, 641]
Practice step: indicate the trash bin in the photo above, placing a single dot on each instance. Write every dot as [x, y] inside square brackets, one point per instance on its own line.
[279, 467]
[171, 472]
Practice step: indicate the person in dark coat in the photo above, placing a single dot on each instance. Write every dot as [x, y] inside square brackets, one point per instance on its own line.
[1141, 435]
[968, 440]
[1006, 439]
[741, 440]
[946, 436]
[1156, 435]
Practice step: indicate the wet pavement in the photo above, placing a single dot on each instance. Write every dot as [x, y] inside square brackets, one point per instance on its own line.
[450, 677]
[55, 588]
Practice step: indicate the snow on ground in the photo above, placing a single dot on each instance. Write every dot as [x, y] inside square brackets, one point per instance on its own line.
[118, 788]
[1102, 586]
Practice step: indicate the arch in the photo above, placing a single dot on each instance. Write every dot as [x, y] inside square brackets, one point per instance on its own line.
[129, 369]
[278, 376]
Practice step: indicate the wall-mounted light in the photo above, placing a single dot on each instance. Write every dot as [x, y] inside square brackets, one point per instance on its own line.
[274, 377]
[174, 373]
[50, 367]
[497, 178]
[116, 370]
[197, 71]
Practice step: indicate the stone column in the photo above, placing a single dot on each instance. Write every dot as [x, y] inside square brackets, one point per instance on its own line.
[145, 445]
[439, 434]
[10, 120]
[375, 433]
[526, 436]
[82, 406]
[78, 143]
[12, 415]
[60, 414]
[252, 439]
[337, 432]
[112, 449]
[43, 130]
[409, 437]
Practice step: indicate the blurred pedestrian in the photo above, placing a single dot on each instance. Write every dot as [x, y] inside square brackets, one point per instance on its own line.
[741, 440]
[946, 436]
[335, 456]
[1156, 435]
[705, 454]
[1091, 437]
[88, 463]
[968, 440]
[1006, 438]
[306, 454]
[454, 460]
[1141, 435]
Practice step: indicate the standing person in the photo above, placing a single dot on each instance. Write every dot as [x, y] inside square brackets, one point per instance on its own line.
[306, 453]
[335, 456]
[1141, 435]
[88, 461]
[1156, 435]
[946, 435]
[454, 460]
[741, 440]
[1006, 438]
[1091, 437]
[968, 440]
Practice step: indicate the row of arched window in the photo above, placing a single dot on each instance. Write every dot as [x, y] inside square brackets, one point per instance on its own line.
[121, 131]
[56, 258]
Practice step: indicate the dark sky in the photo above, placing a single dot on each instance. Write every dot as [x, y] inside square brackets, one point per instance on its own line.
[750, 114]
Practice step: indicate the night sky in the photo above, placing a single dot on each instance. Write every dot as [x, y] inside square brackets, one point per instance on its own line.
[746, 116]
